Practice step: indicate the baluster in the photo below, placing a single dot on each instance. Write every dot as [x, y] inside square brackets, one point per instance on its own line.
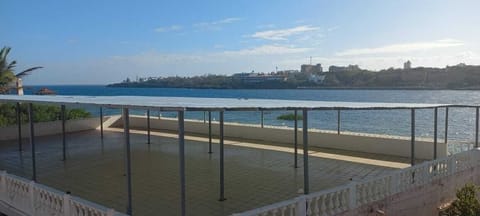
[66, 204]
[330, 203]
[381, 189]
[300, 205]
[316, 210]
[452, 165]
[274, 211]
[388, 182]
[309, 207]
[323, 206]
[345, 200]
[326, 204]
[338, 201]
[371, 191]
[32, 197]
[400, 183]
[367, 192]
[334, 202]
[361, 194]
[3, 186]
[352, 196]
[283, 211]
[292, 209]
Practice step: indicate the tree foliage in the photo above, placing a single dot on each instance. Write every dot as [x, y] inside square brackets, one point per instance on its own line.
[289, 117]
[7, 71]
[466, 203]
[42, 113]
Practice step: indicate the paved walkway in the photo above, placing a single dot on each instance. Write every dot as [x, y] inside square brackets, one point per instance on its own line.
[255, 174]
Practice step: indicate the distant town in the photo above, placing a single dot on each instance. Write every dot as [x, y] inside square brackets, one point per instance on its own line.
[460, 76]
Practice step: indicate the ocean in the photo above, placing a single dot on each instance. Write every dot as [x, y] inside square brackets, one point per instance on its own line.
[461, 128]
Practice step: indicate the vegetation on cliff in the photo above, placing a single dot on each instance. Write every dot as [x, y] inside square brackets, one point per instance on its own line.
[455, 77]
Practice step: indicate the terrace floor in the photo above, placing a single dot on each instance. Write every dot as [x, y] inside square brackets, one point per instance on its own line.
[256, 174]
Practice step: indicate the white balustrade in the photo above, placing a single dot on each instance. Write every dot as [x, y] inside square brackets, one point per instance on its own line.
[343, 198]
[285, 208]
[329, 202]
[34, 199]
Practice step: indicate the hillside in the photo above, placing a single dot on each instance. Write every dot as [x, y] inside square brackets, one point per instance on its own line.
[455, 77]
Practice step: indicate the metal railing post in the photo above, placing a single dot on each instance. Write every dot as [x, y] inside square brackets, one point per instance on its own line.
[222, 179]
[476, 126]
[101, 123]
[295, 130]
[64, 138]
[412, 156]
[19, 125]
[148, 126]
[261, 119]
[338, 121]
[181, 150]
[435, 132]
[209, 132]
[446, 125]
[306, 185]
[128, 168]
[32, 141]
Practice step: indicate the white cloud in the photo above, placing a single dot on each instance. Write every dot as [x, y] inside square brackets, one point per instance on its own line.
[156, 58]
[396, 61]
[216, 25]
[283, 34]
[402, 48]
[333, 28]
[267, 50]
[266, 26]
[169, 28]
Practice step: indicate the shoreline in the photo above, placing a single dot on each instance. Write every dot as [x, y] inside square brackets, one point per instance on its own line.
[310, 88]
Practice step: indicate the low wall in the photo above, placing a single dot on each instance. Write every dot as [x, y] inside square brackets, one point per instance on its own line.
[50, 128]
[347, 141]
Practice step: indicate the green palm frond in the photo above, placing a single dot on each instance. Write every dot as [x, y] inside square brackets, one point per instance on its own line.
[7, 75]
[12, 65]
[27, 72]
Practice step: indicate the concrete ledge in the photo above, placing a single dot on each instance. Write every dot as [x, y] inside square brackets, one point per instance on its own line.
[378, 144]
[50, 128]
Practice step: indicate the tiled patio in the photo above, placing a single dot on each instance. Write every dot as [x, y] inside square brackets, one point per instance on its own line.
[255, 174]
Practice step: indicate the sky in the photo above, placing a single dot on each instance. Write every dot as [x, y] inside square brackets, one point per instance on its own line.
[100, 42]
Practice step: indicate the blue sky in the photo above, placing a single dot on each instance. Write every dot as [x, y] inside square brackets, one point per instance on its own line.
[99, 42]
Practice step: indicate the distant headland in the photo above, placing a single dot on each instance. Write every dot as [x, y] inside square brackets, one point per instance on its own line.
[460, 76]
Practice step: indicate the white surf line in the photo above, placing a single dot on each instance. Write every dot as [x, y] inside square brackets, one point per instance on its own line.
[319, 154]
